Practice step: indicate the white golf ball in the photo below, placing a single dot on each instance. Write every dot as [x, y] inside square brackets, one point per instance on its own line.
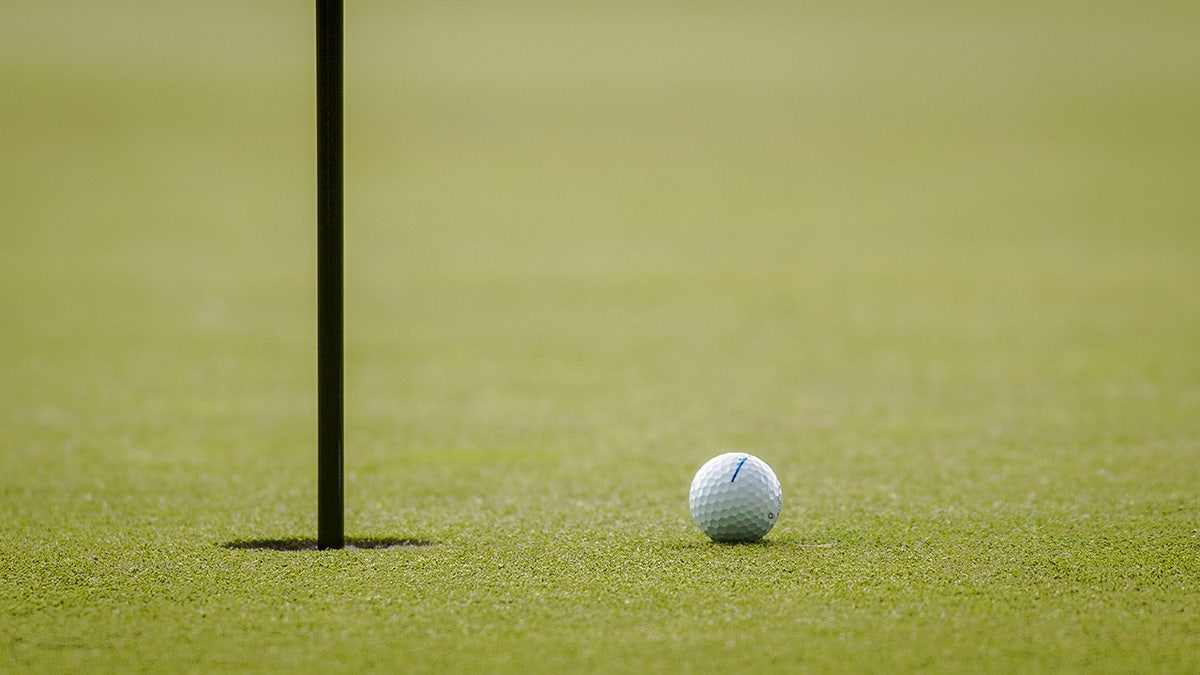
[735, 497]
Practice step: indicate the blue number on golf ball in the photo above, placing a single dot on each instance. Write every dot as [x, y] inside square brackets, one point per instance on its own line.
[735, 497]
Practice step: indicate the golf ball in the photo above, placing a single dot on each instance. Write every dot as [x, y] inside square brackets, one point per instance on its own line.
[735, 497]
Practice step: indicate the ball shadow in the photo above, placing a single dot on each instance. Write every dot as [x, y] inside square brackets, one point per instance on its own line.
[765, 543]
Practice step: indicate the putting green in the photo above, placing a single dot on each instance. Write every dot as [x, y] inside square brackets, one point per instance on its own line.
[937, 266]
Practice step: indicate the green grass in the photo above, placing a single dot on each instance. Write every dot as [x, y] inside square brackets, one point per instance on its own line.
[937, 265]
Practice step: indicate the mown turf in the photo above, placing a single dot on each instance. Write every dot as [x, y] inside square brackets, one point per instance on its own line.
[937, 265]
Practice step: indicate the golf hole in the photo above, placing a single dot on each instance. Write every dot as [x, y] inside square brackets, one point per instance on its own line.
[310, 544]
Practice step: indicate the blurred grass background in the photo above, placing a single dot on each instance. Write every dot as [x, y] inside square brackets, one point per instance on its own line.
[935, 262]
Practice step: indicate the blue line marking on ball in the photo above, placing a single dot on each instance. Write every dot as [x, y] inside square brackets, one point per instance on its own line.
[739, 468]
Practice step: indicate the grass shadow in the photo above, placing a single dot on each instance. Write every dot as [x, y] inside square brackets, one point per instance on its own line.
[310, 544]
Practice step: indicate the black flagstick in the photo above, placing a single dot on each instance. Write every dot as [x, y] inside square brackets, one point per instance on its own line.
[330, 341]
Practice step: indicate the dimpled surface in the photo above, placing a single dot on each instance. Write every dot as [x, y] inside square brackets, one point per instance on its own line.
[735, 497]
